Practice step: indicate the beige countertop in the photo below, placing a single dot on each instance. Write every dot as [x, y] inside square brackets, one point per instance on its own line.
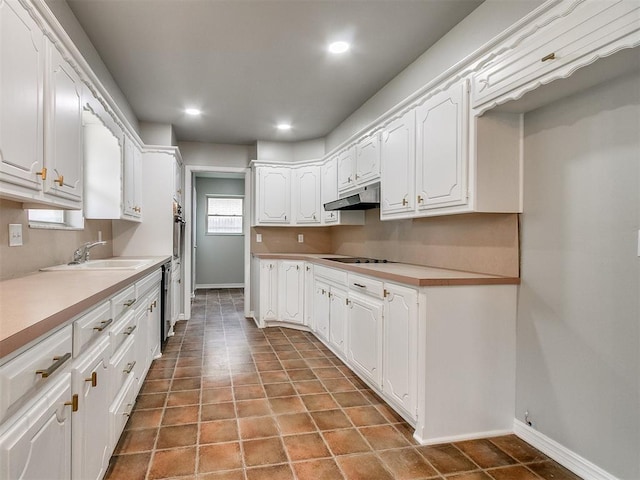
[416, 275]
[37, 303]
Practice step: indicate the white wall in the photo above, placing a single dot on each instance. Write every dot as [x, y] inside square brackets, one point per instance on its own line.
[290, 152]
[479, 27]
[157, 133]
[578, 340]
[216, 154]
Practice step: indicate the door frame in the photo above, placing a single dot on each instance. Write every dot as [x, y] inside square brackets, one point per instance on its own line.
[190, 173]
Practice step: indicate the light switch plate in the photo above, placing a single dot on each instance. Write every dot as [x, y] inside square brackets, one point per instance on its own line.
[300, 238]
[15, 234]
[258, 238]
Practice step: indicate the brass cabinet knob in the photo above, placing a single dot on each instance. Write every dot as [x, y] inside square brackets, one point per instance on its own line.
[42, 173]
[59, 180]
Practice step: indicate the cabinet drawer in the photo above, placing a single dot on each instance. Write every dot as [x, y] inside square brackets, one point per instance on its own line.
[337, 276]
[147, 283]
[123, 301]
[123, 329]
[123, 366]
[120, 410]
[366, 285]
[91, 326]
[571, 35]
[19, 375]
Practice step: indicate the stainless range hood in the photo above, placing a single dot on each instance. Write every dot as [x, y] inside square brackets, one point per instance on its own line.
[364, 199]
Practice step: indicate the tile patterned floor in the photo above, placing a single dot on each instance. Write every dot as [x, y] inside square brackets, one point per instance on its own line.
[228, 401]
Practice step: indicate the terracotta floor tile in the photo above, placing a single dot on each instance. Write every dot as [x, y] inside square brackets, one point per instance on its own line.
[485, 453]
[185, 372]
[363, 467]
[338, 385]
[384, 437]
[518, 449]
[470, 476]
[265, 451]
[295, 423]
[286, 405]
[344, 442]
[181, 415]
[407, 463]
[186, 384]
[322, 401]
[129, 466]
[144, 419]
[160, 374]
[248, 392]
[172, 463]
[277, 472]
[253, 408]
[217, 411]
[552, 471]
[245, 379]
[324, 469]
[229, 475]
[328, 372]
[177, 436]
[152, 400]
[155, 386]
[512, 473]
[306, 387]
[135, 441]
[294, 364]
[279, 390]
[365, 416]
[217, 395]
[216, 381]
[188, 362]
[274, 376]
[331, 419]
[446, 458]
[257, 427]
[305, 447]
[350, 399]
[186, 397]
[269, 366]
[317, 361]
[219, 431]
[265, 357]
[301, 374]
[221, 456]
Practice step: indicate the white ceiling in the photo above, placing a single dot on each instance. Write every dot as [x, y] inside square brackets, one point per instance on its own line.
[249, 64]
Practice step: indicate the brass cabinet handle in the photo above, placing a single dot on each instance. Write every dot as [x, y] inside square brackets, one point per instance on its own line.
[551, 56]
[128, 303]
[127, 414]
[308, 268]
[404, 202]
[59, 181]
[42, 173]
[385, 293]
[93, 379]
[103, 324]
[357, 176]
[73, 403]
[129, 367]
[129, 330]
[420, 199]
[57, 363]
[297, 267]
[347, 301]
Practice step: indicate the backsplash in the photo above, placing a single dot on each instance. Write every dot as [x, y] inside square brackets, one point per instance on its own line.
[486, 243]
[44, 248]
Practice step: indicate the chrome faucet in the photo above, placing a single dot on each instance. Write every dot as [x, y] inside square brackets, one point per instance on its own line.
[81, 254]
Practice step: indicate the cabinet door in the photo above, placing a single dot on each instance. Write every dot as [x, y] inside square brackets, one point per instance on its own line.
[364, 351]
[321, 309]
[441, 149]
[153, 322]
[346, 162]
[132, 179]
[400, 359]
[307, 194]
[308, 295]
[268, 290]
[91, 452]
[291, 291]
[63, 155]
[176, 294]
[329, 186]
[274, 195]
[338, 318]
[368, 159]
[138, 368]
[398, 161]
[21, 111]
[38, 445]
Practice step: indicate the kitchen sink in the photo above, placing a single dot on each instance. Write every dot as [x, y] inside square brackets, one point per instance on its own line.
[108, 264]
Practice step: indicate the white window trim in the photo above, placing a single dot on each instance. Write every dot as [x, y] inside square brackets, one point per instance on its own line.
[206, 216]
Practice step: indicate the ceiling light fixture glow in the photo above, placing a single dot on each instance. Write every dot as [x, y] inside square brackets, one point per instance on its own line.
[283, 126]
[339, 47]
[193, 111]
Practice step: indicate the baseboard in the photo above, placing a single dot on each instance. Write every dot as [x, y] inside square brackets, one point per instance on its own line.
[565, 457]
[219, 285]
[460, 438]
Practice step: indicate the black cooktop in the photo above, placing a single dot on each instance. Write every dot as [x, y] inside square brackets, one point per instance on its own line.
[358, 260]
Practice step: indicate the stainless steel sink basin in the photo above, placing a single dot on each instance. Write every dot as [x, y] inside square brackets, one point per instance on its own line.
[108, 264]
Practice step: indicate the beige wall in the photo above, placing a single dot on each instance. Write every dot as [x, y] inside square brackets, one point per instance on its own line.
[44, 248]
[486, 243]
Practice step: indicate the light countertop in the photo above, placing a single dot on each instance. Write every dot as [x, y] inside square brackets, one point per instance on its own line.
[416, 275]
[37, 303]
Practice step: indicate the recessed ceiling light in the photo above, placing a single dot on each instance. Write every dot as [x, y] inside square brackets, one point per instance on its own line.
[193, 111]
[339, 47]
[283, 126]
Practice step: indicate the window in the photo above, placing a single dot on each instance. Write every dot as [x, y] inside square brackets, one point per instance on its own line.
[56, 219]
[224, 215]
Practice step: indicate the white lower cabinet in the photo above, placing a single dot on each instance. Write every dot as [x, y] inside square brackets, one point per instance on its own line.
[364, 351]
[38, 444]
[291, 291]
[400, 348]
[338, 312]
[268, 294]
[308, 295]
[321, 309]
[90, 428]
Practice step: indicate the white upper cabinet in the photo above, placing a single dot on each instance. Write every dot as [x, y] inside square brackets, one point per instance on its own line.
[398, 159]
[368, 159]
[63, 157]
[273, 199]
[132, 179]
[22, 61]
[306, 193]
[346, 164]
[441, 149]
[329, 186]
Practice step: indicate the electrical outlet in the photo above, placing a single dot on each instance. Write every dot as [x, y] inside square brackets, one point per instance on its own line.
[300, 238]
[258, 238]
[15, 234]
